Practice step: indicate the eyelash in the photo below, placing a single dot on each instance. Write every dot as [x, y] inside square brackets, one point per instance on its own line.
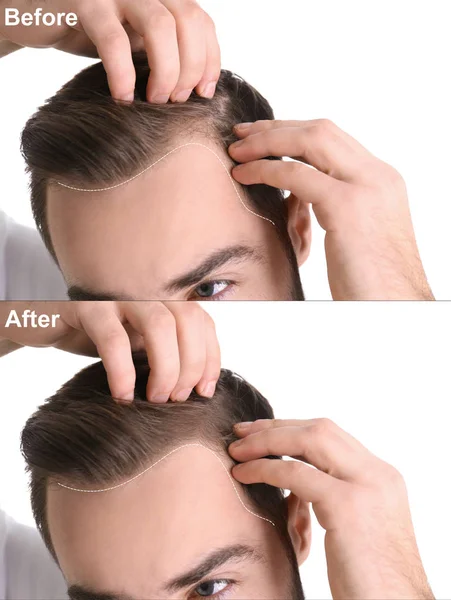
[216, 297]
[221, 595]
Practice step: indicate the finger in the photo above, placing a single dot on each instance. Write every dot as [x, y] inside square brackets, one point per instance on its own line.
[191, 339]
[157, 26]
[207, 385]
[320, 444]
[243, 130]
[102, 324]
[112, 43]
[319, 147]
[305, 183]
[156, 324]
[326, 195]
[212, 73]
[308, 484]
[246, 428]
[192, 43]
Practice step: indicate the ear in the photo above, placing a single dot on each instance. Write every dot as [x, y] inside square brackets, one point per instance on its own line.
[299, 228]
[299, 527]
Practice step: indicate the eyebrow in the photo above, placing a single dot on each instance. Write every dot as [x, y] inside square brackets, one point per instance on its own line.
[76, 292]
[78, 592]
[196, 574]
[219, 258]
[212, 561]
[231, 254]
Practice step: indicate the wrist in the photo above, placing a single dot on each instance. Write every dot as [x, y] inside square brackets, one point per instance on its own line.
[364, 269]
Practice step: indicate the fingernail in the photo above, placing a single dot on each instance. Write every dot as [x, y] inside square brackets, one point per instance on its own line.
[163, 99]
[209, 90]
[243, 126]
[236, 444]
[237, 144]
[209, 389]
[182, 96]
[243, 426]
[128, 397]
[182, 396]
[129, 97]
[160, 398]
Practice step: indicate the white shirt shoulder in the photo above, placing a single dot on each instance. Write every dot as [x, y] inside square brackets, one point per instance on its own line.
[27, 570]
[27, 271]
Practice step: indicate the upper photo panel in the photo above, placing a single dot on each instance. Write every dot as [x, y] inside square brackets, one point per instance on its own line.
[238, 150]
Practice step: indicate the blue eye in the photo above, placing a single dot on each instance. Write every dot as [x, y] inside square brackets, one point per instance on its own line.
[211, 288]
[209, 589]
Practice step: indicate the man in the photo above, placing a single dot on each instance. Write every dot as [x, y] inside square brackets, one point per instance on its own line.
[140, 505]
[182, 229]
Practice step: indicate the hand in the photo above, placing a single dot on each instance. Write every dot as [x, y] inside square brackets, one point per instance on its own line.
[358, 200]
[359, 500]
[179, 38]
[179, 338]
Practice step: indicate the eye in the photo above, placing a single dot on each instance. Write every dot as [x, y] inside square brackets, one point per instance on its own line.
[209, 589]
[210, 289]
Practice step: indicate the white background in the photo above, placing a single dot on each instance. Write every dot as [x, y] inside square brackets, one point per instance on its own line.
[381, 371]
[378, 68]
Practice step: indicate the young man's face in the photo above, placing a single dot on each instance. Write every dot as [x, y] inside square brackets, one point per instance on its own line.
[178, 531]
[178, 231]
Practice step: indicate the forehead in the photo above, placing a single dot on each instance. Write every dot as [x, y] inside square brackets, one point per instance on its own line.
[153, 528]
[187, 202]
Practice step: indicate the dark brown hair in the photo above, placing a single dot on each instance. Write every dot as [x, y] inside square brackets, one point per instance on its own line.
[83, 436]
[83, 137]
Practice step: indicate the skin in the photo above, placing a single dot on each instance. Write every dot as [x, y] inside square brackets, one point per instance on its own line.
[179, 338]
[162, 226]
[188, 496]
[179, 38]
[359, 500]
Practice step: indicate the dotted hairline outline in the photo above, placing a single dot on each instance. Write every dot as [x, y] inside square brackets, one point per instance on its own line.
[113, 187]
[114, 487]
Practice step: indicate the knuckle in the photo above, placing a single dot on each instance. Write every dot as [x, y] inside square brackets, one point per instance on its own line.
[262, 124]
[293, 468]
[392, 476]
[85, 8]
[276, 124]
[326, 125]
[209, 322]
[112, 339]
[90, 310]
[160, 319]
[263, 424]
[292, 168]
[113, 37]
[394, 178]
[192, 12]
[191, 311]
[322, 427]
[208, 21]
[160, 19]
